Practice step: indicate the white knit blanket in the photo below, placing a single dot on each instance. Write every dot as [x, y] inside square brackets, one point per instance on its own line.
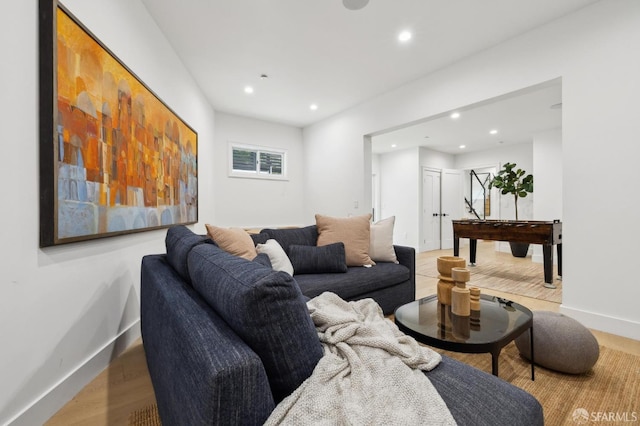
[370, 373]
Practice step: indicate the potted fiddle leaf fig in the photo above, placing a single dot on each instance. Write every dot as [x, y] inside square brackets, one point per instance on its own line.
[514, 181]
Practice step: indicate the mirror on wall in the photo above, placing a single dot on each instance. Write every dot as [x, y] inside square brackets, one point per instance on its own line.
[478, 197]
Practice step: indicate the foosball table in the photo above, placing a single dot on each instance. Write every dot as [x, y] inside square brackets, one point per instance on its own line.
[546, 233]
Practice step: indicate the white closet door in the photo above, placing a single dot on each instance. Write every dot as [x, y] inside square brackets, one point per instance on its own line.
[430, 210]
[451, 204]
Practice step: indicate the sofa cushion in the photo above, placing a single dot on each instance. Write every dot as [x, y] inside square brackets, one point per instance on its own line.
[317, 260]
[501, 403]
[179, 241]
[279, 259]
[307, 236]
[265, 308]
[381, 241]
[352, 231]
[356, 282]
[236, 241]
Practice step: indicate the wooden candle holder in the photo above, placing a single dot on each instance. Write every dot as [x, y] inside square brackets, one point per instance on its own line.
[460, 301]
[474, 295]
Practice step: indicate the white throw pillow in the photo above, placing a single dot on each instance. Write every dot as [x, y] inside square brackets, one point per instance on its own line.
[279, 259]
[381, 241]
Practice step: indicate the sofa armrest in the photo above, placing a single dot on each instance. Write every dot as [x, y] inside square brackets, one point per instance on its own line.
[407, 256]
[201, 371]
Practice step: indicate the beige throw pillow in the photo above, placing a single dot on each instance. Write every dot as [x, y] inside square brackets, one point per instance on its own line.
[381, 244]
[279, 259]
[233, 240]
[353, 231]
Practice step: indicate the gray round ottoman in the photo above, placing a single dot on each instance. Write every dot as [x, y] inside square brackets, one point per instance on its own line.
[560, 343]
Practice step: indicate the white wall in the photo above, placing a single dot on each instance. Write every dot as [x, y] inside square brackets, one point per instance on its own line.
[399, 190]
[547, 183]
[376, 203]
[436, 160]
[594, 51]
[257, 202]
[337, 169]
[66, 311]
[547, 162]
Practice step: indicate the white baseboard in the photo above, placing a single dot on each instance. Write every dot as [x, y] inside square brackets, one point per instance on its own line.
[608, 324]
[51, 401]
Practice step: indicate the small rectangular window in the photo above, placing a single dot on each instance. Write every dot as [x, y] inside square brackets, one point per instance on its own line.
[271, 163]
[244, 160]
[257, 162]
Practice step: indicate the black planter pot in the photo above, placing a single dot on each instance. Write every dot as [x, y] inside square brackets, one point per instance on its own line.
[519, 249]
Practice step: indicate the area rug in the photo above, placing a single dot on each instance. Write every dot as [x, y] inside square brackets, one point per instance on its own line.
[608, 394]
[147, 416]
[500, 271]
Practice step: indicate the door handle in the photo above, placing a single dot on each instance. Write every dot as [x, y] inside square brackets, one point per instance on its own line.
[445, 214]
[435, 214]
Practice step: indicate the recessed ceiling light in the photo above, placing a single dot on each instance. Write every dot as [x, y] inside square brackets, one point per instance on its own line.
[313, 107]
[463, 146]
[355, 4]
[393, 145]
[455, 115]
[493, 132]
[404, 36]
[248, 89]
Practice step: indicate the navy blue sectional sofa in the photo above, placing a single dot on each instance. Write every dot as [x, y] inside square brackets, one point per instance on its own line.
[226, 339]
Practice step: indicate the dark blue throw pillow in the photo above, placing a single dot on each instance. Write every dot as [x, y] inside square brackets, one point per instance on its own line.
[265, 308]
[318, 259]
[286, 237]
[179, 242]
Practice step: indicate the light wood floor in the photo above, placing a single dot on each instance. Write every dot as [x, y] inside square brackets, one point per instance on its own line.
[125, 385]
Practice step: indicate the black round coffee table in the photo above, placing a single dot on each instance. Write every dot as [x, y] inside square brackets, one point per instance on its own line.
[498, 322]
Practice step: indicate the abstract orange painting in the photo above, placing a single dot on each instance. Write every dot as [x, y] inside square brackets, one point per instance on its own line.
[114, 159]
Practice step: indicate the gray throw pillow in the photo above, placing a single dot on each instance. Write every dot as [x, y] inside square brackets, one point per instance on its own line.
[318, 259]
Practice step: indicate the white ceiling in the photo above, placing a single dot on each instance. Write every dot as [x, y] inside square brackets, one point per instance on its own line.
[317, 51]
[516, 117]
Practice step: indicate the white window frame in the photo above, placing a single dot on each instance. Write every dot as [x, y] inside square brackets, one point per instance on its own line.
[257, 174]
